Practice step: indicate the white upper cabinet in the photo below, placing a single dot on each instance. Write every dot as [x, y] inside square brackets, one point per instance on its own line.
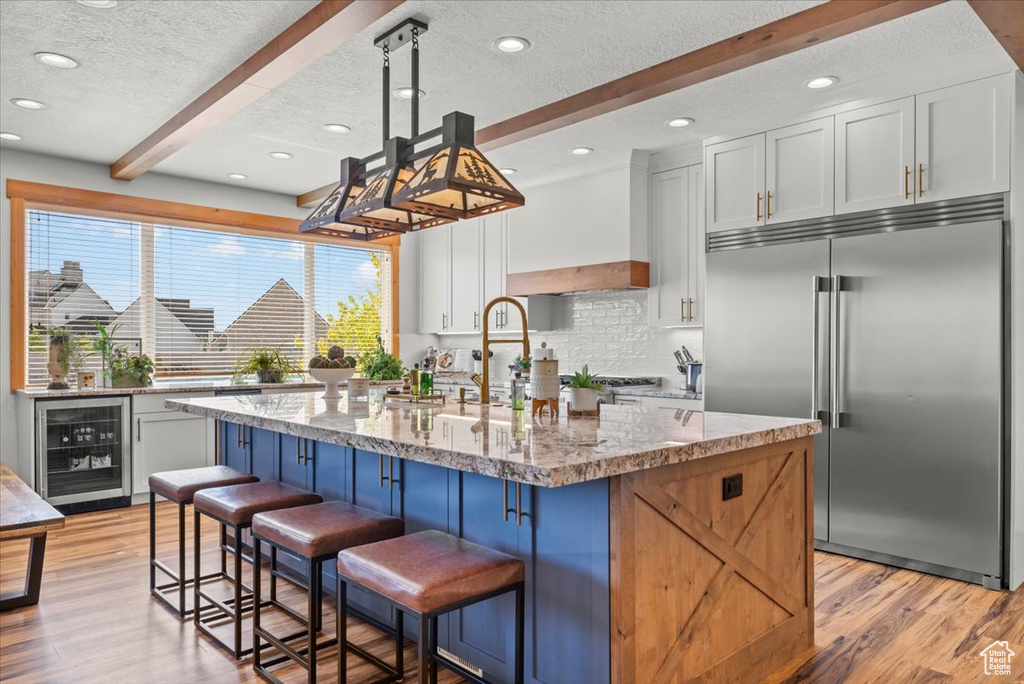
[963, 140]
[799, 172]
[670, 246]
[435, 265]
[495, 265]
[696, 249]
[875, 157]
[466, 277]
[677, 247]
[735, 188]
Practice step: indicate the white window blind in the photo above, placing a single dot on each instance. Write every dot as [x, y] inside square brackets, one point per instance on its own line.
[198, 300]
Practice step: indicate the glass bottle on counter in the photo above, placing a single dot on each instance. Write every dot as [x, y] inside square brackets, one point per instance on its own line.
[426, 383]
[414, 379]
[518, 393]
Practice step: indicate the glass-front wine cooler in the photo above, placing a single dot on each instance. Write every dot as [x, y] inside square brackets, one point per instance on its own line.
[84, 456]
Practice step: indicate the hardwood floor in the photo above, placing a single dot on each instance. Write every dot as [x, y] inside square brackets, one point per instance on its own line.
[97, 623]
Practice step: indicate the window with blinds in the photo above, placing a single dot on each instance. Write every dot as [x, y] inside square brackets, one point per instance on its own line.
[196, 300]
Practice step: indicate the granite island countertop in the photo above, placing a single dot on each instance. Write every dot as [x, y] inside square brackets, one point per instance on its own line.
[496, 441]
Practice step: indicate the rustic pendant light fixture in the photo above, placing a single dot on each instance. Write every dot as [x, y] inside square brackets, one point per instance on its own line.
[405, 193]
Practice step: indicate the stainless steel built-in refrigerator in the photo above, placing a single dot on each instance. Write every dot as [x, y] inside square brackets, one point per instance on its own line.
[83, 453]
[889, 327]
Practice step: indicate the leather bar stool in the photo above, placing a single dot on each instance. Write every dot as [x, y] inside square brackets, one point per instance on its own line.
[315, 533]
[428, 574]
[234, 506]
[179, 487]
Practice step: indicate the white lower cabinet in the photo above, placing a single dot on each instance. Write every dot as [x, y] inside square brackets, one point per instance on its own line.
[167, 440]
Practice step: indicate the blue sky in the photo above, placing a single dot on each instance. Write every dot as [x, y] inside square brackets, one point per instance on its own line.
[224, 271]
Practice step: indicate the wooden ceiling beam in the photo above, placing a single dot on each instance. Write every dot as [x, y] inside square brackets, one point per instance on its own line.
[1005, 19]
[787, 35]
[316, 33]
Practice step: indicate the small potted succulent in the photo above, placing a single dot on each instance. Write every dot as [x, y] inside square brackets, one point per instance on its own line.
[270, 365]
[332, 370]
[583, 391]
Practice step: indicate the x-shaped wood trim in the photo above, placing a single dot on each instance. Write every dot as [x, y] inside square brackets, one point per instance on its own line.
[734, 562]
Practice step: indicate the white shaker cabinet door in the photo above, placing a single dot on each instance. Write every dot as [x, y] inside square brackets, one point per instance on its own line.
[169, 441]
[695, 247]
[800, 169]
[963, 140]
[669, 217]
[495, 256]
[435, 270]
[875, 157]
[735, 183]
[466, 283]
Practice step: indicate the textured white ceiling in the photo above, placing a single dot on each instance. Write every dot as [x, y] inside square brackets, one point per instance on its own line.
[140, 68]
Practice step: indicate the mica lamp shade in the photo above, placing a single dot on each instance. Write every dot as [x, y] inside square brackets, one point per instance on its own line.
[457, 182]
[360, 213]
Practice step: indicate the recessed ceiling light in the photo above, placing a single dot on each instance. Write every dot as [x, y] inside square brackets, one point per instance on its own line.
[237, 176]
[54, 60]
[508, 171]
[280, 155]
[406, 93]
[680, 122]
[511, 44]
[25, 103]
[821, 82]
[9, 136]
[98, 4]
[336, 128]
[582, 150]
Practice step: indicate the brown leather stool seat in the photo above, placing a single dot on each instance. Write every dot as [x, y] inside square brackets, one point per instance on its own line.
[316, 533]
[179, 486]
[428, 574]
[235, 506]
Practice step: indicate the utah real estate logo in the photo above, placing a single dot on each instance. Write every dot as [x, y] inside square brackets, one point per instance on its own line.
[997, 658]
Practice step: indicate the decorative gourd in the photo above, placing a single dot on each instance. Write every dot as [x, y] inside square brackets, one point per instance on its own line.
[319, 362]
[335, 352]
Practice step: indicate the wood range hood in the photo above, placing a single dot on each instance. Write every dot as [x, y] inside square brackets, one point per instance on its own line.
[615, 275]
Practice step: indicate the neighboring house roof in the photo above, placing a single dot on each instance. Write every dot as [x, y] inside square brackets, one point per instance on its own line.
[198, 320]
[251, 323]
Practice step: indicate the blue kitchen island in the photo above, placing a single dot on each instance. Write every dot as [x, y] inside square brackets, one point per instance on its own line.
[645, 561]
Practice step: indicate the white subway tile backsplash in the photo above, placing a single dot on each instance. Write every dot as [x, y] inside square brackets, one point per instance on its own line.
[609, 331]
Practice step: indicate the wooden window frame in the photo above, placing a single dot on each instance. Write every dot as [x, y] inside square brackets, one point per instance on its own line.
[26, 195]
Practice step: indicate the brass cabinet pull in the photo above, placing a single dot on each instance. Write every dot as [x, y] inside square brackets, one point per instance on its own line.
[758, 206]
[380, 470]
[504, 499]
[769, 204]
[682, 309]
[920, 180]
[238, 436]
[305, 453]
[391, 474]
[476, 320]
[518, 510]
[691, 310]
[444, 321]
[519, 504]
[906, 182]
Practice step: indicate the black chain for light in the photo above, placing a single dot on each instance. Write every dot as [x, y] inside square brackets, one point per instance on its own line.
[415, 38]
[387, 55]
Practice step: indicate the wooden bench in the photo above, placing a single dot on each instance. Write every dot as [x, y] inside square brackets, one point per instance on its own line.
[24, 515]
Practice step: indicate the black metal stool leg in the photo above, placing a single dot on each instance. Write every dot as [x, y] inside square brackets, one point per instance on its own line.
[238, 592]
[181, 561]
[433, 650]
[423, 650]
[400, 643]
[342, 630]
[256, 601]
[520, 623]
[223, 554]
[273, 572]
[196, 566]
[152, 541]
[312, 621]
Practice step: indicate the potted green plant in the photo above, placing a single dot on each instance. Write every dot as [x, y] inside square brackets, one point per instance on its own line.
[270, 365]
[380, 365]
[583, 390]
[130, 370]
[65, 355]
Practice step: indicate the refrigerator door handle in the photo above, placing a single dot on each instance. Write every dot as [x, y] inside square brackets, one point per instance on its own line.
[816, 287]
[837, 288]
